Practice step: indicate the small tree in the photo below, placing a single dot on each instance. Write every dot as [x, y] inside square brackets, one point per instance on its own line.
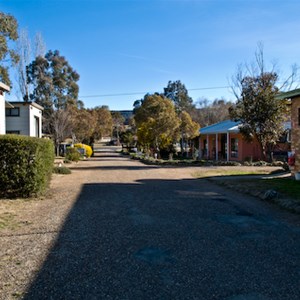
[60, 126]
[260, 113]
[118, 122]
[157, 123]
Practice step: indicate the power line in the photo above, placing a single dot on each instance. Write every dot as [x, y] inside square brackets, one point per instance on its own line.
[144, 93]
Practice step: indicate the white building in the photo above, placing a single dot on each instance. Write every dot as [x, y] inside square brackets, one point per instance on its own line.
[24, 118]
[3, 89]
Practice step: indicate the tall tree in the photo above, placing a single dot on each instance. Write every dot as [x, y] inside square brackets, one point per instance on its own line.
[258, 110]
[26, 53]
[54, 81]
[39, 45]
[23, 49]
[8, 33]
[177, 92]
[157, 123]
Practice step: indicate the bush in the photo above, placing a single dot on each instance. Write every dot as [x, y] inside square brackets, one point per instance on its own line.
[72, 154]
[61, 170]
[26, 165]
[88, 149]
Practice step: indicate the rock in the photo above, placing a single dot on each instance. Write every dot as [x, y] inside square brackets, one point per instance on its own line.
[270, 194]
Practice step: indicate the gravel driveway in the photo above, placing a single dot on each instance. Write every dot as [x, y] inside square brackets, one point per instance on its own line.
[117, 229]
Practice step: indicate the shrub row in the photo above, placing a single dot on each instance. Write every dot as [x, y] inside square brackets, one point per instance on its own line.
[151, 160]
[26, 165]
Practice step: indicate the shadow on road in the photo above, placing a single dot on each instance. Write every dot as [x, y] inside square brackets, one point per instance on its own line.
[168, 239]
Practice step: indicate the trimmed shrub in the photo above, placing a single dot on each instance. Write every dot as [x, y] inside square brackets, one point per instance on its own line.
[61, 170]
[88, 149]
[26, 165]
[73, 154]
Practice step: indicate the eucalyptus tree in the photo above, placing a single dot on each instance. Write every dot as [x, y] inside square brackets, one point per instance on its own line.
[8, 56]
[178, 93]
[54, 82]
[55, 88]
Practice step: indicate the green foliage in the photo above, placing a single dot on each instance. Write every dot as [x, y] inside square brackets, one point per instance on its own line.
[8, 33]
[128, 138]
[88, 149]
[157, 122]
[188, 128]
[73, 154]
[260, 113]
[61, 170]
[83, 124]
[104, 122]
[26, 165]
[54, 81]
[177, 92]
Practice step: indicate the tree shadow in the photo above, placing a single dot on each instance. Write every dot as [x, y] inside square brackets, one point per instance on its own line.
[158, 239]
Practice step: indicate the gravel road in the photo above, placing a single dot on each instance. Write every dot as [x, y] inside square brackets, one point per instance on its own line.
[117, 229]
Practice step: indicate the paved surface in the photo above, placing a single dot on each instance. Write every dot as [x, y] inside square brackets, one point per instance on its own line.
[142, 232]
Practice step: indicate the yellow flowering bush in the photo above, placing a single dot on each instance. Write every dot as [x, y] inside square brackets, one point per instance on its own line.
[88, 149]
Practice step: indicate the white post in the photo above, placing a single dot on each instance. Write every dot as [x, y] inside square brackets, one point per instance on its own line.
[217, 148]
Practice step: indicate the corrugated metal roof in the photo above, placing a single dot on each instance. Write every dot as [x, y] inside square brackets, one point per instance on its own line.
[290, 94]
[221, 127]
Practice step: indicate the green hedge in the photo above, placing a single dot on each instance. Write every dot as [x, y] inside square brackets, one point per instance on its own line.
[26, 165]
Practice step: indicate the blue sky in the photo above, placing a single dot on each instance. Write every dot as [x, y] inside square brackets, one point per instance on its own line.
[123, 47]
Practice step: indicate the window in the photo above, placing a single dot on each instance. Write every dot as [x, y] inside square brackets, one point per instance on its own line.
[12, 131]
[12, 112]
[234, 147]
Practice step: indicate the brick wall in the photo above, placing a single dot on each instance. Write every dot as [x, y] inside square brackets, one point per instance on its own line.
[296, 131]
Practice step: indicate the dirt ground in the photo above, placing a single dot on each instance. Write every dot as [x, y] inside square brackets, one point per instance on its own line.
[29, 228]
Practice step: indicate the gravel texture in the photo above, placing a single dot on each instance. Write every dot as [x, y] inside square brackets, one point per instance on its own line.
[117, 229]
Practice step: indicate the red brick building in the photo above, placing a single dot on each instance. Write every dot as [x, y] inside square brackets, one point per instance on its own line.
[294, 97]
[223, 141]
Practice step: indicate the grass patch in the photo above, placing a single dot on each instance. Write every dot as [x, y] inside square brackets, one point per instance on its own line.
[286, 186]
[234, 172]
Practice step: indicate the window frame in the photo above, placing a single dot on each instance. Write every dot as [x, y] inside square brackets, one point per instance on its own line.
[8, 112]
